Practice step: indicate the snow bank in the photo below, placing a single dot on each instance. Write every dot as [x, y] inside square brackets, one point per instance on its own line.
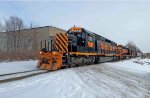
[18, 66]
[136, 65]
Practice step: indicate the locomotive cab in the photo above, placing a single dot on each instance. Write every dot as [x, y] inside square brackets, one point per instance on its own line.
[80, 40]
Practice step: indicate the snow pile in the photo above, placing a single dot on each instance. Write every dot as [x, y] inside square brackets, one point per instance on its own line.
[142, 61]
[18, 66]
[136, 65]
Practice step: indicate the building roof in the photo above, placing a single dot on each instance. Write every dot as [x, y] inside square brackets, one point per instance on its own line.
[39, 28]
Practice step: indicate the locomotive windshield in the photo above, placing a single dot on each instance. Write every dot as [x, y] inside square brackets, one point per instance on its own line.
[80, 37]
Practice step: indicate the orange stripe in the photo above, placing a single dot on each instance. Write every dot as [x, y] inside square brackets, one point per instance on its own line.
[83, 53]
[65, 36]
[61, 43]
[63, 40]
[57, 47]
[90, 54]
[57, 38]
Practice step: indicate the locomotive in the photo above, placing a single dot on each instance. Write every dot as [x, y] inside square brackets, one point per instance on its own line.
[78, 47]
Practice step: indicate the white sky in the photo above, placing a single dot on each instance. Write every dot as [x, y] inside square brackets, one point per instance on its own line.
[120, 21]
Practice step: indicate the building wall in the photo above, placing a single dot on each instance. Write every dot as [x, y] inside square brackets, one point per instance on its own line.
[53, 31]
[46, 33]
[43, 33]
[37, 34]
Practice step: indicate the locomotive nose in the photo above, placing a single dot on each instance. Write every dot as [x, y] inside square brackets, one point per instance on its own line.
[49, 60]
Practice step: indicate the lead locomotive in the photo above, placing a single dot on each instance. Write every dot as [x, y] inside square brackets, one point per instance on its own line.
[79, 47]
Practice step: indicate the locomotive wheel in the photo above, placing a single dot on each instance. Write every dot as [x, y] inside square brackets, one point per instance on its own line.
[97, 60]
[82, 64]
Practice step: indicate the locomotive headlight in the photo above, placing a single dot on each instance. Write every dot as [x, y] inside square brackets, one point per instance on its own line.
[40, 52]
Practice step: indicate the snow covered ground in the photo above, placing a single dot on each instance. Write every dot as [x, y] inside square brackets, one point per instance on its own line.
[135, 65]
[127, 79]
[18, 66]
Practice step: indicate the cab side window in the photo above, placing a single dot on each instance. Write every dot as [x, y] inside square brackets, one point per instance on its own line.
[89, 37]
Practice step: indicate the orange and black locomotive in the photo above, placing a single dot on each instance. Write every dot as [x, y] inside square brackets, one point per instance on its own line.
[80, 47]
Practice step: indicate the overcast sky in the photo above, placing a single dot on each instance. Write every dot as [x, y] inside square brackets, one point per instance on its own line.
[120, 21]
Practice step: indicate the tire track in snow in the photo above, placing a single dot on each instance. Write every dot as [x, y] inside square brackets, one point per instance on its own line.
[121, 83]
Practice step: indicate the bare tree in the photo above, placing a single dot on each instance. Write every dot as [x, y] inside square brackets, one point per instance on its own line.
[14, 23]
[1, 27]
[16, 42]
[12, 28]
[132, 46]
[34, 40]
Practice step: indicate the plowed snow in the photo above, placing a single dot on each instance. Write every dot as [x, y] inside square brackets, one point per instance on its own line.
[106, 80]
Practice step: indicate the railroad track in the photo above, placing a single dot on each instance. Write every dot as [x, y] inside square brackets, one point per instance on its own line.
[20, 75]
